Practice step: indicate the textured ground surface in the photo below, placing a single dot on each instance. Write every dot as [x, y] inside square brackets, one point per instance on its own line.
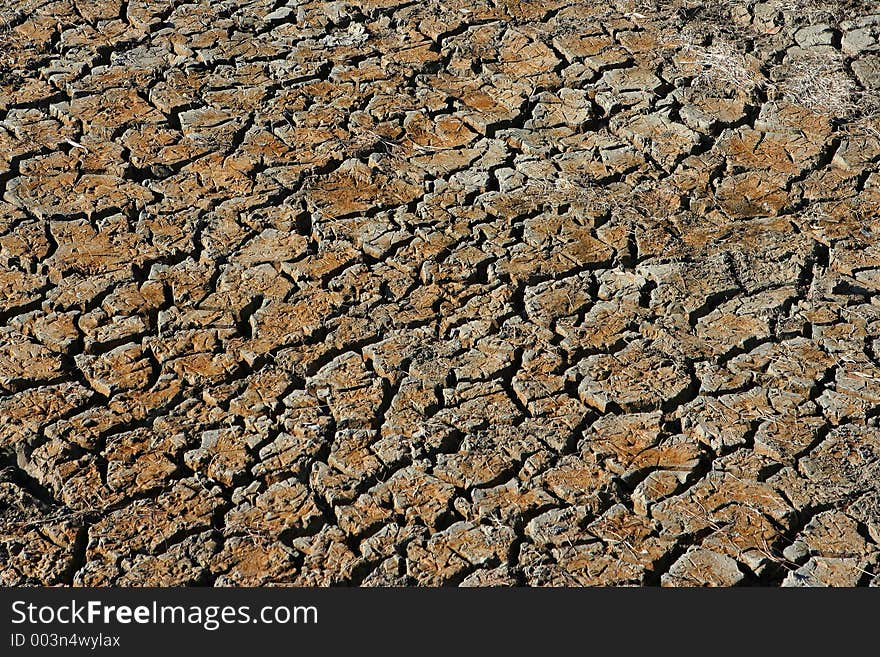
[385, 292]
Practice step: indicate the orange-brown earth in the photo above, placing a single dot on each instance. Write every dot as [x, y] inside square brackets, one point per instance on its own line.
[481, 293]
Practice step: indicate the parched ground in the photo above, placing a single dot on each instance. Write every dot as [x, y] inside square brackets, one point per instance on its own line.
[481, 293]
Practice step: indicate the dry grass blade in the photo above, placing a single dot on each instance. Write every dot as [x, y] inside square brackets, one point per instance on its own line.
[820, 83]
[723, 67]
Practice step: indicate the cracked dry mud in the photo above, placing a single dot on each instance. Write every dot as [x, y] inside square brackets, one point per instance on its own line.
[438, 293]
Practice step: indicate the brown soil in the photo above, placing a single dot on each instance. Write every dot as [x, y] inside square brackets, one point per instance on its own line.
[481, 293]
